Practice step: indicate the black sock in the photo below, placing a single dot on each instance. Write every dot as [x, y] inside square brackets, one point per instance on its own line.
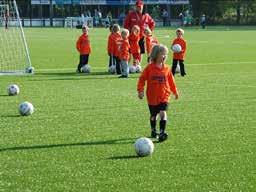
[162, 125]
[153, 125]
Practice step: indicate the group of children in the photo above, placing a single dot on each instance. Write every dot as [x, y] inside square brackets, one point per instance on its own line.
[157, 75]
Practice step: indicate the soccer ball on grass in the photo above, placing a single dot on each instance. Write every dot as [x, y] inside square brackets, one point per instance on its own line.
[26, 108]
[144, 147]
[13, 89]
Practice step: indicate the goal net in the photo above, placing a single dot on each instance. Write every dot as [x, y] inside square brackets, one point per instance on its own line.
[14, 53]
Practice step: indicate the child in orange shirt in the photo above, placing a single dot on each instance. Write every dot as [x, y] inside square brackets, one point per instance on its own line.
[134, 39]
[179, 57]
[84, 48]
[124, 53]
[151, 41]
[114, 42]
[160, 84]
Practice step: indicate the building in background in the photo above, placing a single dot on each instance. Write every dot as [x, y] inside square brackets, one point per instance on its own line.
[53, 12]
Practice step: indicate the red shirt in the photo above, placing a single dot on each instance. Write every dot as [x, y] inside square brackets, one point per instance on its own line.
[83, 45]
[160, 84]
[150, 43]
[182, 42]
[134, 43]
[124, 50]
[110, 43]
[142, 20]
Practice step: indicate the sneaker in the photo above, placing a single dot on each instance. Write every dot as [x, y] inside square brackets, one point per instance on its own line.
[163, 137]
[123, 76]
[153, 134]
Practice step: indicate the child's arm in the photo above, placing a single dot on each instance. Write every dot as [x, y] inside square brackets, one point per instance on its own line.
[78, 45]
[184, 47]
[173, 85]
[141, 83]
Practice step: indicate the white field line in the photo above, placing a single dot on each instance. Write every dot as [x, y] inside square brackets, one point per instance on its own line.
[188, 65]
[226, 84]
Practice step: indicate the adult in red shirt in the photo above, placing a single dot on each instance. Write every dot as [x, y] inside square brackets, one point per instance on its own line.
[143, 20]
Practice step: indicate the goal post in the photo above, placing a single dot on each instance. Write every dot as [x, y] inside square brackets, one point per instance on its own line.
[14, 52]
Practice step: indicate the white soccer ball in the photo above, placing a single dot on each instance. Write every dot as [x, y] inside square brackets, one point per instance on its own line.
[177, 69]
[13, 89]
[112, 69]
[132, 69]
[176, 48]
[30, 70]
[144, 147]
[86, 68]
[26, 108]
[138, 69]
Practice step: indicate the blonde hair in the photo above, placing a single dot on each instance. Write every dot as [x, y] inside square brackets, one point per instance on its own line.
[147, 31]
[125, 33]
[115, 28]
[136, 27]
[181, 30]
[156, 50]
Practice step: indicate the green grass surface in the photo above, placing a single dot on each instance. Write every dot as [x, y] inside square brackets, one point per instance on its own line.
[81, 136]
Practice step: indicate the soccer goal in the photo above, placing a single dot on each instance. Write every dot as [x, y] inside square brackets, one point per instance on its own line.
[77, 22]
[14, 52]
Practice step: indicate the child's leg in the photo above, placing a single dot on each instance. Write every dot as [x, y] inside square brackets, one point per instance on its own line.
[174, 65]
[81, 61]
[111, 62]
[137, 58]
[118, 65]
[182, 68]
[86, 59]
[163, 120]
[153, 119]
[125, 69]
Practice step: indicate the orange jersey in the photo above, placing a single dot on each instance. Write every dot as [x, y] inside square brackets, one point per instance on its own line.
[124, 50]
[116, 43]
[150, 43]
[160, 84]
[182, 42]
[83, 45]
[134, 43]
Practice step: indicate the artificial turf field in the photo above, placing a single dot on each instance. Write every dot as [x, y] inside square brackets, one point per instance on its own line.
[81, 136]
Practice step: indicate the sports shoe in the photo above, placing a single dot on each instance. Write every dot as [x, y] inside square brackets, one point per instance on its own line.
[123, 76]
[153, 134]
[163, 137]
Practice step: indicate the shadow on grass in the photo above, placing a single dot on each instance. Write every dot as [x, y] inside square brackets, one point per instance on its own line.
[67, 76]
[89, 143]
[124, 157]
[10, 115]
[71, 73]
[2, 95]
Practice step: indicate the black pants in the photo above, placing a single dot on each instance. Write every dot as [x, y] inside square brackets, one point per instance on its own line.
[142, 45]
[117, 63]
[83, 61]
[182, 67]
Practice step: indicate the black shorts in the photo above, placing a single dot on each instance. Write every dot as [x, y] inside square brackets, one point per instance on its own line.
[84, 59]
[142, 45]
[155, 109]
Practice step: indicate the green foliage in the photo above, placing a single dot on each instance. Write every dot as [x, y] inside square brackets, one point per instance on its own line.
[81, 136]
